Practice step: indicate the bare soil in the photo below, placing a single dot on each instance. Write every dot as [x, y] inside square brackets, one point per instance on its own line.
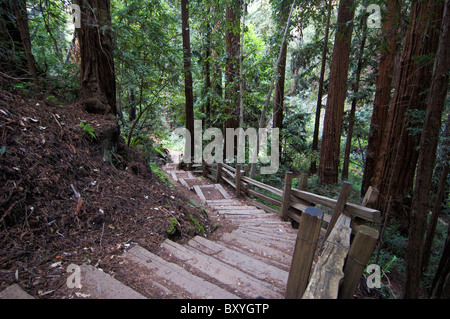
[67, 197]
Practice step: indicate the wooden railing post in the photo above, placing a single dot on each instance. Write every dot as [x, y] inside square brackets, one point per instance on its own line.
[204, 168]
[238, 181]
[360, 251]
[303, 181]
[219, 173]
[246, 169]
[305, 247]
[371, 197]
[339, 209]
[328, 273]
[286, 201]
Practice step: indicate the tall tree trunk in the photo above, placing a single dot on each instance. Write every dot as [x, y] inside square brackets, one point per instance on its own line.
[315, 144]
[330, 149]
[439, 199]
[441, 281]
[427, 157]
[278, 94]
[188, 87]
[398, 155]
[431, 228]
[232, 35]
[98, 80]
[262, 119]
[351, 121]
[13, 61]
[21, 13]
[383, 91]
[208, 70]
[241, 69]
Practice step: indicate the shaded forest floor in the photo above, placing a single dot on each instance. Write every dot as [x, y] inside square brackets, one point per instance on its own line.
[67, 197]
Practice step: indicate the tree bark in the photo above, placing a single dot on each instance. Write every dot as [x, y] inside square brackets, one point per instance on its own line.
[232, 36]
[383, 91]
[351, 121]
[441, 281]
[241, 69]
[396, 167]
[330, 149]
[427, 157]
[262, 118]
[315, 144]
[13, 61]
[20, 11]
[98, 80]
[188, 87]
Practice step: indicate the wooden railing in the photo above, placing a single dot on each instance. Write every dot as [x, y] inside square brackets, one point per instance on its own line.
[347, 233]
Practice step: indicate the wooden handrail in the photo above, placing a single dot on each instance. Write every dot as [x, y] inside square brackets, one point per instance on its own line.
[365, 213]
[369, 214]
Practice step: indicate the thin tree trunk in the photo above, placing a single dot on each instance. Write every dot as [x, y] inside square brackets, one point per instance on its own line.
[315, 144]
[330, 149]
[45, 17]
[262, 119]
[241, 69]
[20, 11]
[208, 71]
[383, 92]
[431, 229]
[441, 281]
[188, 87]
[427, 157]
[351, 121]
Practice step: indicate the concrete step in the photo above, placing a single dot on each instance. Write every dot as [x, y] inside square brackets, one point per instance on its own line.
[95, 284]
[222, 202]
[271, 230]
[248, 212]
[14, 292]
[236, 280]
[285, 245]
[176, 278]
[245, 262]
[262, 252]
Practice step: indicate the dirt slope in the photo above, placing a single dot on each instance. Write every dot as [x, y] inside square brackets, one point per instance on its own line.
[66, 197]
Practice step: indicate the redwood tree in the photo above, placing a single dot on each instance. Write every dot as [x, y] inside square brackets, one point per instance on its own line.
[397, 161]
[188, 87]
[233, 39]
[330, 149]
[383, 91]
[21, 14]
[98, 81]
[427, 157]
[278, 94]
[315, 144]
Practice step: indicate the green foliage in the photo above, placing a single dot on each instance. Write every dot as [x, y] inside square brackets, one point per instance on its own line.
[173, 227]
[199, 226]
[88, 129]
[161, 175]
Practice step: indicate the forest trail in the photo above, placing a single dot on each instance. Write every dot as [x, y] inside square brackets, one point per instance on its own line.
[250, 259]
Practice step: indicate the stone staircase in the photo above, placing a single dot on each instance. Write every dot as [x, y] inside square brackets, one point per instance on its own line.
[251, 261]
